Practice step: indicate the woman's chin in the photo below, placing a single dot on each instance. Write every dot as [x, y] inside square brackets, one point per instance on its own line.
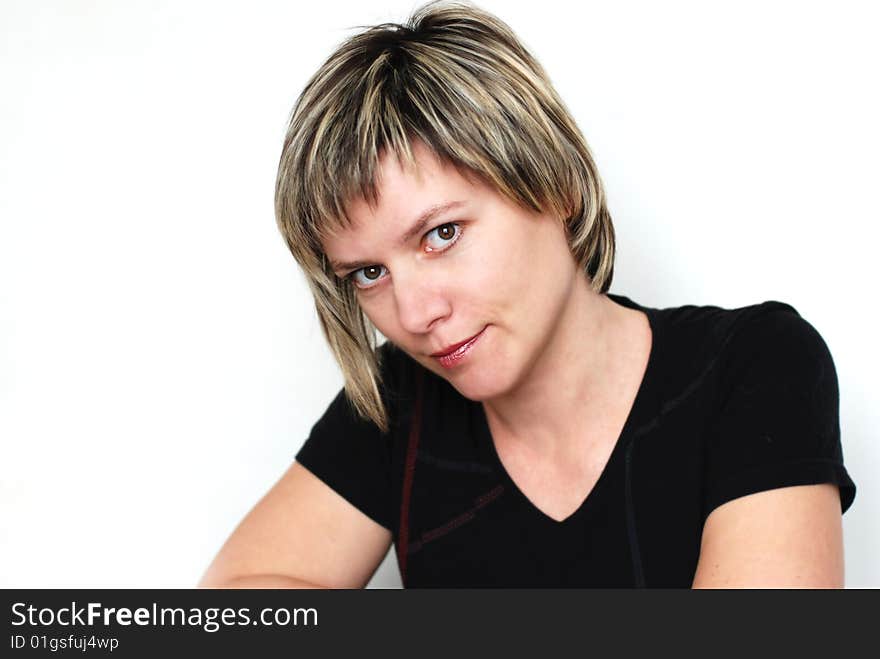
[480, 387]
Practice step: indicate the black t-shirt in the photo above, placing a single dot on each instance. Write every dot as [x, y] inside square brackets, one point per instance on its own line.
[733, 402]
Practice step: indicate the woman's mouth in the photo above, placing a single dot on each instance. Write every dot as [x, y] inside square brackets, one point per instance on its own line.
[455, 357]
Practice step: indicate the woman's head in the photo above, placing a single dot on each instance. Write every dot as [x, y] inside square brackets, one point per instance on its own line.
[452, 87]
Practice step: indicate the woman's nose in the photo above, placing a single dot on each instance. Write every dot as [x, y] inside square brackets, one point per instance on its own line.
[420, 302]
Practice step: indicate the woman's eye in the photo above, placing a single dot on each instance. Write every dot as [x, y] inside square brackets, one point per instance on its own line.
[446, 234]
[438, 239]
[367, 277]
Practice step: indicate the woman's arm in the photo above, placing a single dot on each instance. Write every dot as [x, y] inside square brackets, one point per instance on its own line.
[301, 534]
[789, 537]
[263, 581]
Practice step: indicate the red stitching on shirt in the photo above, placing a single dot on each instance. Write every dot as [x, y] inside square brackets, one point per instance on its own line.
[409, 470]
[494, 493]
[457, 521]
[466, 516]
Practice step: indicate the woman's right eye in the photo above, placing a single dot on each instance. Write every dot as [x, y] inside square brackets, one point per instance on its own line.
[367, 277]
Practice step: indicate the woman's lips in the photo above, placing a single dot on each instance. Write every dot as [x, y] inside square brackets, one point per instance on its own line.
[455, 357]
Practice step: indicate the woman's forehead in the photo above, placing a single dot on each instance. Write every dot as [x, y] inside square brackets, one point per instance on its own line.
[404, 194]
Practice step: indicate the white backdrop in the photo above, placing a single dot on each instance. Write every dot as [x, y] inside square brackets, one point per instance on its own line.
[160, 360]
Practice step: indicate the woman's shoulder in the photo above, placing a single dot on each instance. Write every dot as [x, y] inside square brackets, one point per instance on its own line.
[713, 325]
[717, 328]
[725, 319]
[703, 345]
[745, 330]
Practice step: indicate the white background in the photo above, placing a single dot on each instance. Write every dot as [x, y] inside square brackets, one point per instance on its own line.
[160, 360]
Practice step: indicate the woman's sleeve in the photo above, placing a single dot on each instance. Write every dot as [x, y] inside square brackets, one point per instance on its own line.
[352, 457]
[778, 424]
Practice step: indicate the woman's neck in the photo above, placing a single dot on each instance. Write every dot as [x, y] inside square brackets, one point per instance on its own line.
[574, 389]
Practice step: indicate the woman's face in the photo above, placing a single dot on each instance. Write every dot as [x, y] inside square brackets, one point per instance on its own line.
[477, 266]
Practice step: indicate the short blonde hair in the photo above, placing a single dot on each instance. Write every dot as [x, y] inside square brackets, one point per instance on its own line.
[456, 78]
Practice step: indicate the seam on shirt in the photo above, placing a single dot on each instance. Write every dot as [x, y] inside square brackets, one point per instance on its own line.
[458, 520]
[408, 474]
[638, 571]
[739, 325]
[453, 465]
[648, 426]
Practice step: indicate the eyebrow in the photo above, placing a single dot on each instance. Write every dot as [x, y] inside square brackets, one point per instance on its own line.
[417, 227]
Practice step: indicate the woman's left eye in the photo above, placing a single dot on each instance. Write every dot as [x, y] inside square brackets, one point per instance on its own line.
[445, 235]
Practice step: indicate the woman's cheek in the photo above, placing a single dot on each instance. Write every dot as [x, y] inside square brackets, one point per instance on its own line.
[482, 269]
[380, 312]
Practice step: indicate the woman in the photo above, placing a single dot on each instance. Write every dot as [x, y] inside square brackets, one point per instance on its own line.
[521, 426]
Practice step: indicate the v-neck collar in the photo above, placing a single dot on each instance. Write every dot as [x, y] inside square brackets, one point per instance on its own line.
[642, 408]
